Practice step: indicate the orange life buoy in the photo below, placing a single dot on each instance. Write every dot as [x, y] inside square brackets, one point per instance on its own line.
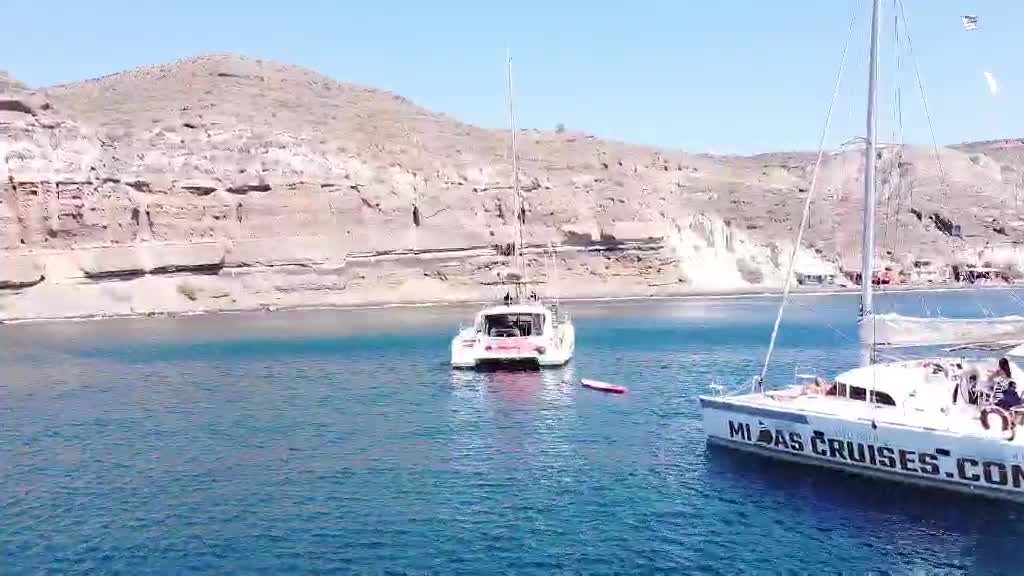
[1007, 424]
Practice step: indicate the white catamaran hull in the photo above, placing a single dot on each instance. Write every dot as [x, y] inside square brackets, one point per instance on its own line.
[984, 465]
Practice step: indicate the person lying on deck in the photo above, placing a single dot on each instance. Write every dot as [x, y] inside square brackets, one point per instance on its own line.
[820, 386]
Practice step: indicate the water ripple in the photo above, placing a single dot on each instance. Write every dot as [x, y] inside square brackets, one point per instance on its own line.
[246, 445]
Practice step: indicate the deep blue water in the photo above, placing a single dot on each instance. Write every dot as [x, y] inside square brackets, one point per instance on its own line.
[341, 442]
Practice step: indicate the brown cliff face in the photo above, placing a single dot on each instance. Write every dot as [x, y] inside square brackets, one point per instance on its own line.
[222, 164]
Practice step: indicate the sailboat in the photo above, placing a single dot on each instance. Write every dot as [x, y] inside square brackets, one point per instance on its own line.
[935, 422]
[522, 329]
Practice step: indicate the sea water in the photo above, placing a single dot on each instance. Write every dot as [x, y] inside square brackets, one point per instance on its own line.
[341, 442]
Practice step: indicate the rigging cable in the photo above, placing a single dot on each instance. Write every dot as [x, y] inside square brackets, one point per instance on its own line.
[924, 100]
[943, 182]
[898, 135]
[807, 205]
[887, 187]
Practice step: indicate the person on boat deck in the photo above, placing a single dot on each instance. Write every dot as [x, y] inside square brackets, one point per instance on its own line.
[972, 389]
[1003, 370]
[508, 299]
[1003, 390]
[816, 387]
[1009, 397]
[820, 386]
[998, 378]
[509, 323]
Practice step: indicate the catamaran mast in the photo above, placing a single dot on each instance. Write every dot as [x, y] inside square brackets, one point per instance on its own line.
[517, 250]
[868, 247]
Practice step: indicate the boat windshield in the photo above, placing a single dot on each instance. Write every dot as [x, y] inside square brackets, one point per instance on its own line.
[513, 325]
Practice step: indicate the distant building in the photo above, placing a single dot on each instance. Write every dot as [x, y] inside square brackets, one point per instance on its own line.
[980, 275]
[816, 278]
[815, 274]
[879, 277]
[925, 271]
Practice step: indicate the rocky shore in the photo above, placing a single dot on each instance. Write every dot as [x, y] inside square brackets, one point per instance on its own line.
[224, 183]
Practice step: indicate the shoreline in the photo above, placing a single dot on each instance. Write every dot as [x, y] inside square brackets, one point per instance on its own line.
[693, 295]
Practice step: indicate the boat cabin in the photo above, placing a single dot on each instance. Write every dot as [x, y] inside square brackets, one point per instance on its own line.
[512, 321]
[513, 325]
[919, 384]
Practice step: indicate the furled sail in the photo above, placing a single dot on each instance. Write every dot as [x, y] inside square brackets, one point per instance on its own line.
[899, 330]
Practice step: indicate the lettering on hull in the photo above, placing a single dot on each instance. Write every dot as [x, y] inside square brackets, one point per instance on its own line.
[940, 463]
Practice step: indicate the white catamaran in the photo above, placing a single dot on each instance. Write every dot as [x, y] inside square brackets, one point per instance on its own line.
[522, 330]
[943, 422]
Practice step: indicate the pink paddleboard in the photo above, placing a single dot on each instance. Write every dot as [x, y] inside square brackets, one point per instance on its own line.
[602, 386]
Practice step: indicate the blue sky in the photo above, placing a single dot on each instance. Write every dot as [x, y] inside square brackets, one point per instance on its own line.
[728, 76]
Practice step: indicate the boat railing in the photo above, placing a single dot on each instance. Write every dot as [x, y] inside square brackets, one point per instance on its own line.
[803, 378]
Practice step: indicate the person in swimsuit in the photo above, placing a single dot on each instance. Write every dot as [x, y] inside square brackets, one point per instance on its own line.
[820, 386]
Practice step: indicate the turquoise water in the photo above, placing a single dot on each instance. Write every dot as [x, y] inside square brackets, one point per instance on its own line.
[340, 442]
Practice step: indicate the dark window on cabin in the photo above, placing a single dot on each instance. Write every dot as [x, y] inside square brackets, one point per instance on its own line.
[883, 399]
[861, 394]
[514, 325]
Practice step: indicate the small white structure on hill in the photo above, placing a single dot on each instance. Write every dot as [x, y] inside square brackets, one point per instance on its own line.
[812, 271]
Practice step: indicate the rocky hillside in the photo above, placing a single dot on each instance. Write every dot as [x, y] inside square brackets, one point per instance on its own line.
[221, 182]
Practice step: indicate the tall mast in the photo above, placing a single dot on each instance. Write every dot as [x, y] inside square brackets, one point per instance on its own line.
[868, 247]
[518, 258]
